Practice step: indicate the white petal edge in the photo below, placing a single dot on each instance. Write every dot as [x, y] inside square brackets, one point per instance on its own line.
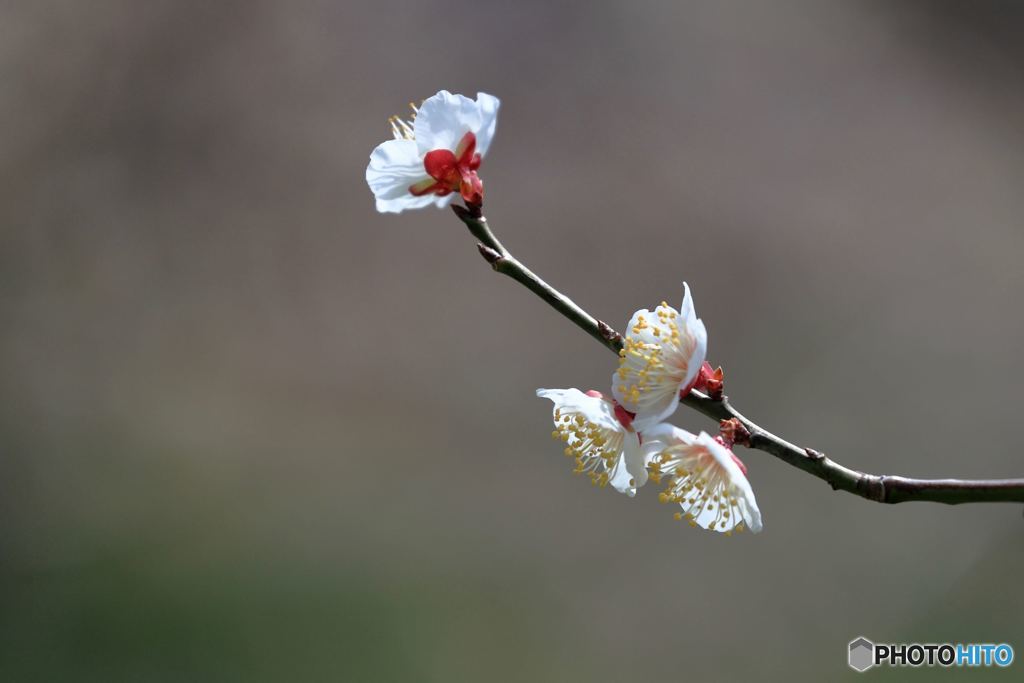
[596, 410]
[667, 434]
[695, 325]
[745, 500]
[631, 471]
[658, 438]
[488, 105]
[394, 166]
[443, 119]
[686, 309]
[403, 203]
[700, 352]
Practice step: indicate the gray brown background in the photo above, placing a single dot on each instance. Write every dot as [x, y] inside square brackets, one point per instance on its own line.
[251, 430]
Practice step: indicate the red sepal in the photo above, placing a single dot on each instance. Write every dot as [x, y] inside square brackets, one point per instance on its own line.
[624, 417]
[453, 171]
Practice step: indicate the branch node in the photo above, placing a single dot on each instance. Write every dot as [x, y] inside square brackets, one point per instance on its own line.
[608, 333]
[734, 431]
[872, 487]
[814, 455]
[490, 255]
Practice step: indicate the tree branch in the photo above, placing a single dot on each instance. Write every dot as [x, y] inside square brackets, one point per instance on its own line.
[879, 488]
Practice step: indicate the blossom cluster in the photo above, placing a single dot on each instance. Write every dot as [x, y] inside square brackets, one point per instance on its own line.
[622, 439]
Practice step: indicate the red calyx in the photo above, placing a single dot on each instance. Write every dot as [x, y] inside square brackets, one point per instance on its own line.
[624, 417]
[711, 382]
[450, 171]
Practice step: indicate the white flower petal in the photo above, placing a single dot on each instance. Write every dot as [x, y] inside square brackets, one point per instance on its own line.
[602, 448]
[700, 352]
[633, 468]
[620, 479]
[748, 506]
[659, 405]
[443, 119]
[656, 439]
[488, 105]
[394, 166]
[721, 454]
[662, 353]
[648, 380]
[696, 327]
[403, 203]
[394, 163]
[686, 310]
[667, 433]
[594, 410]
[740, 485]
[705, 480]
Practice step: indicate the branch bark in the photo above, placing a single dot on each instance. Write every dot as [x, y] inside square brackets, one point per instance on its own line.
[879, 488]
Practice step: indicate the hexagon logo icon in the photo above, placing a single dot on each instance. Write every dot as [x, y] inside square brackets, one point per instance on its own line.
[862, 654]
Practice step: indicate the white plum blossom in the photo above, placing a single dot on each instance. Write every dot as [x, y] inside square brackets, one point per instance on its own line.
[704, 477]
[661, 358]
[434, 155]
[596, 432]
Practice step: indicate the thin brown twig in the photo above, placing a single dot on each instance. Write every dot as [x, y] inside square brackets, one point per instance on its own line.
[879, 488]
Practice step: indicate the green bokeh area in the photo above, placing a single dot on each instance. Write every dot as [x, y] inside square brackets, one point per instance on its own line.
[125, 618]
[172, 592]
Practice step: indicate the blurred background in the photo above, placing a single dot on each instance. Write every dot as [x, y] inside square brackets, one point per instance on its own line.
[251, 430]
